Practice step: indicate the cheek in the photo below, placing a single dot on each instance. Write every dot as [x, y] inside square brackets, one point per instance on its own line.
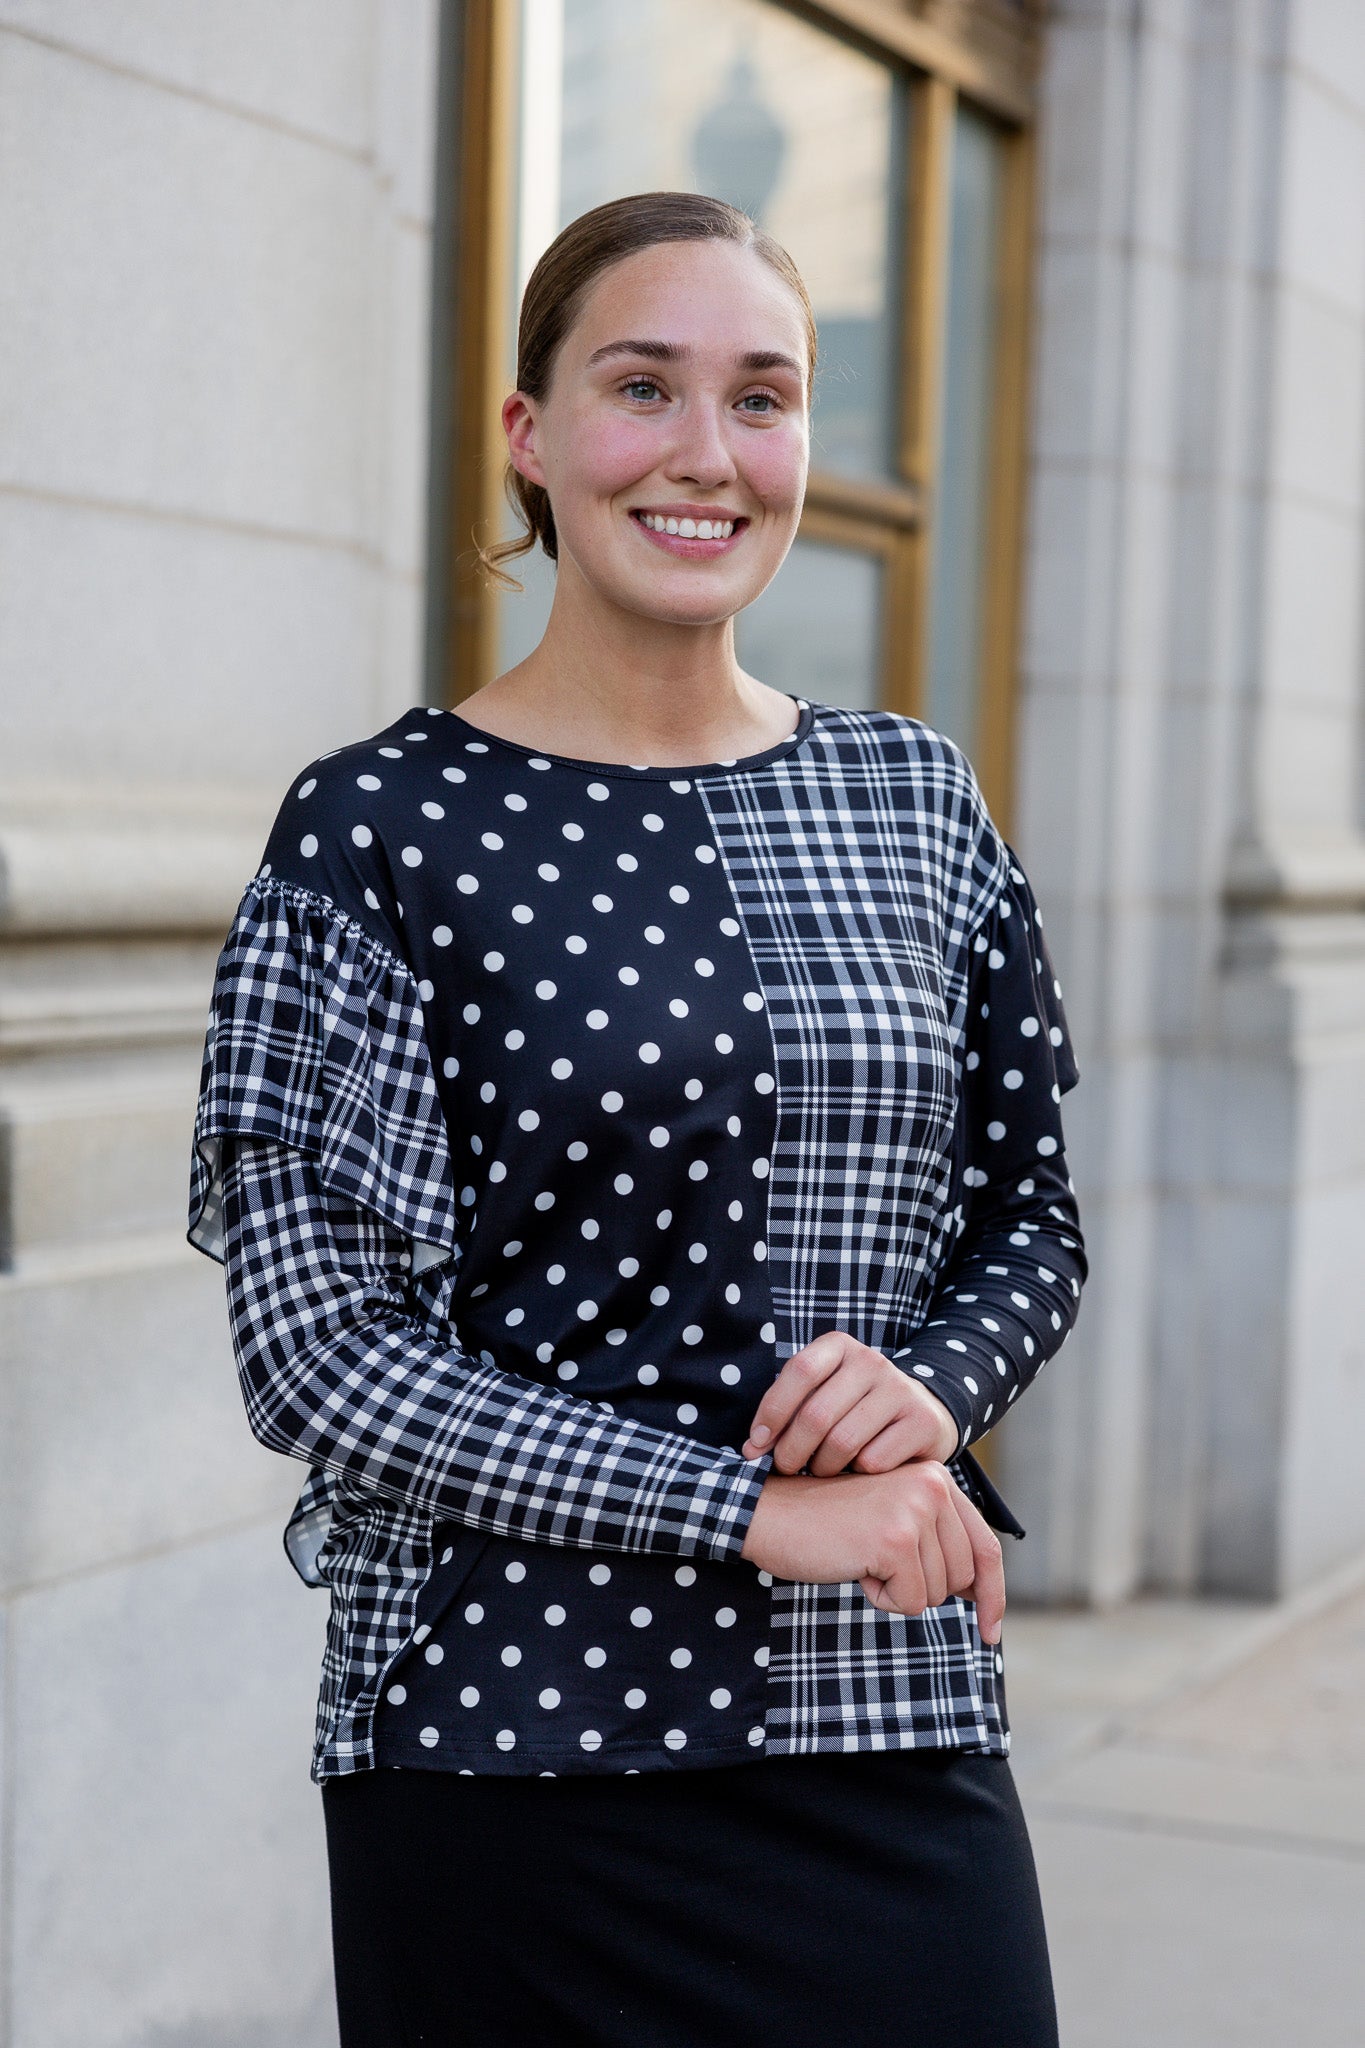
[606, 456]
[774, 467]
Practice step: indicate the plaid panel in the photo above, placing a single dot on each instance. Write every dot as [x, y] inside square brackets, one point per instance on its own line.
[864, 867]
[339, 1367]
[316, 1038]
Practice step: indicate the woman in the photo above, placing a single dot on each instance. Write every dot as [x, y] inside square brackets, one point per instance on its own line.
[630, 1122]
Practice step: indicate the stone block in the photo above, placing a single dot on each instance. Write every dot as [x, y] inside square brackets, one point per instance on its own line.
[142, 653]
[1322, 228]
[306, 65]
[205, 343]
[121, 1425]
[166, 1847]
[1317, 436]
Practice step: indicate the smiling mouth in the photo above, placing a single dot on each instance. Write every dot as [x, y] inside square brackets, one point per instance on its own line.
[694, 537]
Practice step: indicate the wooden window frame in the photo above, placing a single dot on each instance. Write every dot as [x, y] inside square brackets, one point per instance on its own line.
[981, 51]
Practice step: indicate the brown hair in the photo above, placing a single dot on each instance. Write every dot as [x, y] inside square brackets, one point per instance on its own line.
[554, 296]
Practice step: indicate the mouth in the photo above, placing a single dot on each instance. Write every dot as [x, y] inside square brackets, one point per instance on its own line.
[694, 539]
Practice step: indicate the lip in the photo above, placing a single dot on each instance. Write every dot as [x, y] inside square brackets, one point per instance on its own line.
[690, 549]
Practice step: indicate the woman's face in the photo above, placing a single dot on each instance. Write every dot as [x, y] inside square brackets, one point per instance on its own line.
[679, 394]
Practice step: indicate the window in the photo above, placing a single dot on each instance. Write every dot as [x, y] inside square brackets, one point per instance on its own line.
[891, 157]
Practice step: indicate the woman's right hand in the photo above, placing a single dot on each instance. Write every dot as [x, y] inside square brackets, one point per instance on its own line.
[910, 1537]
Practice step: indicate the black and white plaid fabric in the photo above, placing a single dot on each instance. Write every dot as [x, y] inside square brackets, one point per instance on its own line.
[881, 912]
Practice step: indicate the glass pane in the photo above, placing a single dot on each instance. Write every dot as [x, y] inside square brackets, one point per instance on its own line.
[815, 631]
[962, 495]
[743, 100]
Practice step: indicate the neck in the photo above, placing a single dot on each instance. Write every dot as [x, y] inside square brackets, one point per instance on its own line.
[611, 685]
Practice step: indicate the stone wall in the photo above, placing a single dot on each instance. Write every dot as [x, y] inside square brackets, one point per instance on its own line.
[214, 307]
[1190, 787]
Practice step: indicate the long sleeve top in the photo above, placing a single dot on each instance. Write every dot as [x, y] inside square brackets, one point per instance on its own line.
[548, 1106]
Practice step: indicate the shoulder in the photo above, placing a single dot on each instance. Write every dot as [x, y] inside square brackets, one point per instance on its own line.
[905, 750]
[344, 817]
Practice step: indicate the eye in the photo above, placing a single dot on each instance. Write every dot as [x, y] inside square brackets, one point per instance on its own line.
[634, 385]
[769, 399]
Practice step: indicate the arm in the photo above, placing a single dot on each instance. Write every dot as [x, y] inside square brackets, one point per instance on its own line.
[336, 1369]
[1008, 1294]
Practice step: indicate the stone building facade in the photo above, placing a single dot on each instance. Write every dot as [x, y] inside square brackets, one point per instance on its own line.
[216, 348]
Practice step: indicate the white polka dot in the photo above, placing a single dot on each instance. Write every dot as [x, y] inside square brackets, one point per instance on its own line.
[466, 884]
[572, 831]
[492, 840]
[720, 1697]
[454, 775]
[308, 845]
[362, 835]
[704, 967]
[1013, 1078]
[537, 762]
[307, 788]
[429, 1737]
[692, 1333]
[594, 1659]
[473, 1612]
[556, 1616]
[600, 1574]
[659, 1135]
[1047, 1146]
[995, 1130]
[529, 1119]
[640, 1617]
[731, 1375]
[724, 1042]
[578, 1150]
[655, 934]
[706, 854]
[506, 1738]
[397, 1694]
[649, 1052]
[762, 1656]
[368, 782]
[546, 989]
[597, 1020]
[391, 753]
[652, 822]
[755, 1737]
[627, 863]
[629, 975]
[561, 1069]
[590, 1740]
[372, 899]
[511, 1655]
[680, 1659]
[648, 1375]
[635, 1698]
[515, 1572]
[686, 1575]
[549, 1699]
[676, 1738]
[726, 1617]
[586, 1311]
[603, 903]
[598, 791]
[411, 856]
[687, 1413]
[1029, 1027]
[434, 1654]
[419, 1635]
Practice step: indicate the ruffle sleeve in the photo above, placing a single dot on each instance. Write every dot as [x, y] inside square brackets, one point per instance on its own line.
[316, 1038]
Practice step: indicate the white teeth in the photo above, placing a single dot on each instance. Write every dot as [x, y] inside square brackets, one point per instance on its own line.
[689, 529]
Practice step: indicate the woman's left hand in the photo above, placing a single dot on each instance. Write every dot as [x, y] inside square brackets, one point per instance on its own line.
[837, 1404]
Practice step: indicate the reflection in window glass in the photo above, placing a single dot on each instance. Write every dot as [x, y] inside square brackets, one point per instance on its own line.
[815, 630]
[962, 495]
[740, 99]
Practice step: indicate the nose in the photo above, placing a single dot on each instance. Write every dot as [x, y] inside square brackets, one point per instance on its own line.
[701, 453]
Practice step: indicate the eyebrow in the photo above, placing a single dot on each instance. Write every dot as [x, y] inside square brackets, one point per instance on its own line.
[674, 352]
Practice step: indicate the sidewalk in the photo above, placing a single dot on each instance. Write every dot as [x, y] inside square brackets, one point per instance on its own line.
[1194, 1776]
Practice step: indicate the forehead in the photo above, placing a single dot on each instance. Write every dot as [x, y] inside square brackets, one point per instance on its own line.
[714, 298]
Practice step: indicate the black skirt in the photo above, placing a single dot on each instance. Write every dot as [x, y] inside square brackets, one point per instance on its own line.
[808, 1902]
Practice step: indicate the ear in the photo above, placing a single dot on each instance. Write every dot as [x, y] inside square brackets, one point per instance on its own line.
[519, 423]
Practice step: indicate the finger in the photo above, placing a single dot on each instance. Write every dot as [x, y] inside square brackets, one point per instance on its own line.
[803, 1372]
[957, 1550]
[988, 1568]
[933, 1566]
[906, 1590]
[823, 1410]
[861, 1423]
[902, 1442]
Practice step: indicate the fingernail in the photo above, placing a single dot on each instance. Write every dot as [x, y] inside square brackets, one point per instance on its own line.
[758, 1434]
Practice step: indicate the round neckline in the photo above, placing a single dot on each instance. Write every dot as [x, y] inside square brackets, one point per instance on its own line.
[738, 765]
